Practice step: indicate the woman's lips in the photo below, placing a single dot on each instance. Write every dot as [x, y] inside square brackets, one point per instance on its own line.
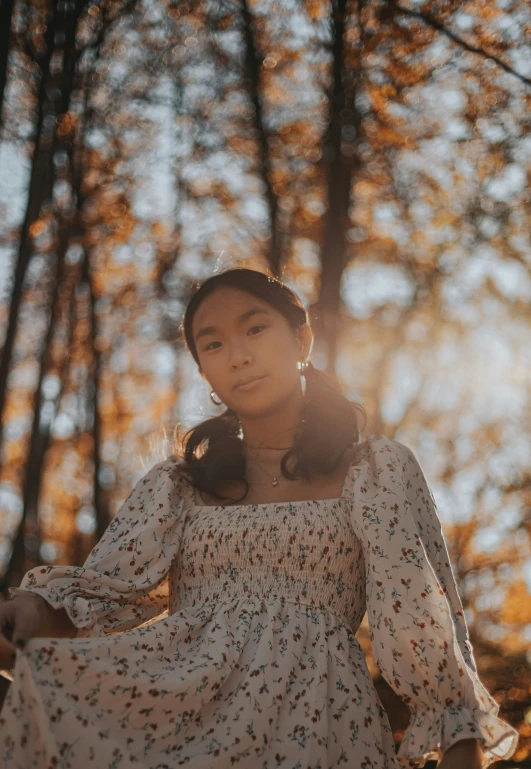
[250, 385]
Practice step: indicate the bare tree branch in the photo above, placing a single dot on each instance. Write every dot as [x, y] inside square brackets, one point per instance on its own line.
[428, 19]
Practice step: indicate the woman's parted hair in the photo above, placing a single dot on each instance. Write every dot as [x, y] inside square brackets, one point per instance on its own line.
[212, 451]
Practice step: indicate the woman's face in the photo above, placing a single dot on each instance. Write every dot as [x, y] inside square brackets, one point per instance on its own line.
[240, 336]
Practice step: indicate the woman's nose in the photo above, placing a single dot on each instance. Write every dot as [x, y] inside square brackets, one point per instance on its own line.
[239, 358]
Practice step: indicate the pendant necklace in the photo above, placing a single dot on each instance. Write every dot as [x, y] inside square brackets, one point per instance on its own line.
[274, 482]
[274, 478]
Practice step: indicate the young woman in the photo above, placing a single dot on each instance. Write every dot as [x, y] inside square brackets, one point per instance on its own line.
[214, 623]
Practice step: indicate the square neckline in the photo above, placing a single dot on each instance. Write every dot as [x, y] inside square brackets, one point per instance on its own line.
[280, 502]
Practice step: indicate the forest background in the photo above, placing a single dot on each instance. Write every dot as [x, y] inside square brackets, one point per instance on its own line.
[373, 154]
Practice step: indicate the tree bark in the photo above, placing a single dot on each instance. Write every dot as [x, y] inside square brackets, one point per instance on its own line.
[252, 62]
[338, 170]
[61, 25]
[6, 15]
[24, 555]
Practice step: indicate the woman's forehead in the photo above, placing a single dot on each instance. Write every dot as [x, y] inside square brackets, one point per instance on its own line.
[226, 304]
[226, 314]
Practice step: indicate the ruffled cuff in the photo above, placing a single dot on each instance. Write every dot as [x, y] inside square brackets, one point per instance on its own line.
[431, 732]
[79, 609]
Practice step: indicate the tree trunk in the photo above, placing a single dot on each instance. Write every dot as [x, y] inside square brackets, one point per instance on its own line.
[339, 166]
[252, 64]
[101, 506]
[25, 555]
[6, 14]
[62, 25]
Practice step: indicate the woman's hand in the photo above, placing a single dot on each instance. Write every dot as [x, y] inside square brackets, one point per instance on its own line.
[29, 616]
[7, 651]
[465, 754]
[19, 621]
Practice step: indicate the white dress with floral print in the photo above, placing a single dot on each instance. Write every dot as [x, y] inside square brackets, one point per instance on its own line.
[213, 637]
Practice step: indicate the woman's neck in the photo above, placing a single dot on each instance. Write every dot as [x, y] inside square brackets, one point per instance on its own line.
[267, 436]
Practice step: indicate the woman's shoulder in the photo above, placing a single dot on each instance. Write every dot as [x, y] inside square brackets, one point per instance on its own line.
[380, 446]
[393, 454]
[385, 460]
[174, 466]
[170, 469]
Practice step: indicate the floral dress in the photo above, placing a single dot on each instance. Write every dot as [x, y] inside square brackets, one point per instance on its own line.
[218, 636]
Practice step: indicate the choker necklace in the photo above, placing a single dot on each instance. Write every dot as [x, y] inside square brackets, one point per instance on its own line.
[265, 446]
[262, 445]
[274, 478]
[272, 448]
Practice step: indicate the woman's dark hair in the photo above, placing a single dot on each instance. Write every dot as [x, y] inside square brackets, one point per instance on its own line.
[212, 451]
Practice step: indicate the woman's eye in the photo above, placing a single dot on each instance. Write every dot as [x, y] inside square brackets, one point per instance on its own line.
[209, 346]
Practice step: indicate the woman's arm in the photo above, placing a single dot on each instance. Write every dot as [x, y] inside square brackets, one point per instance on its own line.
[465, 754]
[55, 623]
[411, 622]
[33, 617]
[124, 581]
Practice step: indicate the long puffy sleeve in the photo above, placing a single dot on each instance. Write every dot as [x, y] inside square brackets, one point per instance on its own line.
[417, 627]
[424, 510]
[124, 580]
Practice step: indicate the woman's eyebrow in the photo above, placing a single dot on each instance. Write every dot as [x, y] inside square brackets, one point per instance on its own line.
[244, 316]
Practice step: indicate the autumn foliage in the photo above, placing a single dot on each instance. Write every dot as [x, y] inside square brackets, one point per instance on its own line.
[375, 155]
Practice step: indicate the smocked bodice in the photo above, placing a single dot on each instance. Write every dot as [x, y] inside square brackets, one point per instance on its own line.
[305, 552]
